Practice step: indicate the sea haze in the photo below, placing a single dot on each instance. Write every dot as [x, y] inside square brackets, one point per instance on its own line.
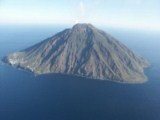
[24, 96]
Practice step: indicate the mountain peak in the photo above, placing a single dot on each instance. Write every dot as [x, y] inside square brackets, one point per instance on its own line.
[82, 26]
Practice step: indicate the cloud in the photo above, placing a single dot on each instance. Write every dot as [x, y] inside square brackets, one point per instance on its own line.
[135, 2]
[81, 12]
[82, 8]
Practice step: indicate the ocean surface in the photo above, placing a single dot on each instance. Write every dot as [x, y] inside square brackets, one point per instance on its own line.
[24, 96]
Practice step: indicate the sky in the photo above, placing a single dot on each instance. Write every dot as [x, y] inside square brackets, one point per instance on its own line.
[116, 13]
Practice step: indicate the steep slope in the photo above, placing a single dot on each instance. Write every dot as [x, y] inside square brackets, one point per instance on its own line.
[85, 51]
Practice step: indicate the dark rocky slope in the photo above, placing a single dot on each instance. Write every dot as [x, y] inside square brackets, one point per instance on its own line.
[85, 51]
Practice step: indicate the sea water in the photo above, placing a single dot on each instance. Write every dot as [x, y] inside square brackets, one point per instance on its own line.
[24, 96]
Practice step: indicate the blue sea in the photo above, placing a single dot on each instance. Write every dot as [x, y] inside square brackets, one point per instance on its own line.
[24, 96]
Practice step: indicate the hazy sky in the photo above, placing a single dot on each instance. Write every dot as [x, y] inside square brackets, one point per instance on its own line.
[126, 13]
